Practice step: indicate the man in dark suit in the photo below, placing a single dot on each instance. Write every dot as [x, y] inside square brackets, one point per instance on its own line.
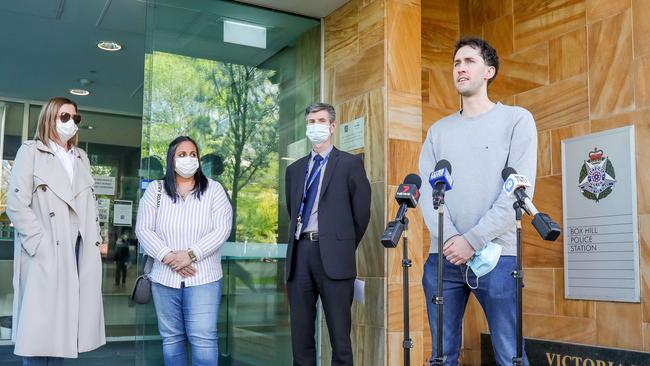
[328, 198]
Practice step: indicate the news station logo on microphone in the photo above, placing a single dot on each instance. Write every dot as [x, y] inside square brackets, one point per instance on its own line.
[513, 182]
[597, 177]
[408, 191]
[441, 175]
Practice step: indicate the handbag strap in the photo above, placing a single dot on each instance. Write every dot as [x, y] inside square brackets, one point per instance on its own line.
[148, 264]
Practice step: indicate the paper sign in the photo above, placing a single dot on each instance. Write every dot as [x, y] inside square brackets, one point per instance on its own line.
[122, 213]
[352, 135]
[104, 185]
[103, 207]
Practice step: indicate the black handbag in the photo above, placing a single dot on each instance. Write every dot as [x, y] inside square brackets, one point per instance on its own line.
[141, 293]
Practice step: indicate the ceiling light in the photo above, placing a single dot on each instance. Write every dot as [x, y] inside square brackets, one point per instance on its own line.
[110, 46]
[245, 34]
[81, 92]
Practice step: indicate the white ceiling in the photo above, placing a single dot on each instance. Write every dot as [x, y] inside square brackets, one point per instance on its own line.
[48, 45]
[310, 8]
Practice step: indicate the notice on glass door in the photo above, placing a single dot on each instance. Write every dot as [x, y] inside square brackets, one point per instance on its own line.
[122, 213]
[103, 208]
[104, 185]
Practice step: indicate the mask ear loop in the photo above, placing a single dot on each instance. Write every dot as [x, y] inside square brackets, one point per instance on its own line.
[467, 279]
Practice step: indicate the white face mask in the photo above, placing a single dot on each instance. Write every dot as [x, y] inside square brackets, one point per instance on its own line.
[186, 166]
[318, 133]
[66, 131]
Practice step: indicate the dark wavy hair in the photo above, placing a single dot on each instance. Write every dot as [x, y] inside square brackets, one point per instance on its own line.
[200, 180]
[488, 53]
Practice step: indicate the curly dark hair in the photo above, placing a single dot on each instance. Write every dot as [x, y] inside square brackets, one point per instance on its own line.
[488, 53]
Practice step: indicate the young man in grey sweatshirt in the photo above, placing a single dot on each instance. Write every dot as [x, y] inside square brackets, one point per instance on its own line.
[479, 141]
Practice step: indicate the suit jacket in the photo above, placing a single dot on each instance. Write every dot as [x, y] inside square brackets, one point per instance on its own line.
[343, 211]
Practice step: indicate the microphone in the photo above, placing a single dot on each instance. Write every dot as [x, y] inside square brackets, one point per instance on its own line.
[441, 181]
[407, 196]
[515, 185]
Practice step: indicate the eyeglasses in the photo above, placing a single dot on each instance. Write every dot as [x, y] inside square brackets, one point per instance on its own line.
[65, 117]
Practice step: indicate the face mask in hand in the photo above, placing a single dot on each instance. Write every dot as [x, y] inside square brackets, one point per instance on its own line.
[318, 133]
[186, 166]
[484, 261]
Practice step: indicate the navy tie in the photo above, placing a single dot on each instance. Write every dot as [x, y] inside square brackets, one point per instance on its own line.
[312, 191]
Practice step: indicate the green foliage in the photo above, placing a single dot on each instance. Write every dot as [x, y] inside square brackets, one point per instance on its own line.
[590, 195]
[609, 169]
[232, 111]
[103, 170]
[258, 211]
[583, 173]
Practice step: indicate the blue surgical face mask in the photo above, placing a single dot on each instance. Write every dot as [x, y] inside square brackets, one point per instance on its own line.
[484, 261]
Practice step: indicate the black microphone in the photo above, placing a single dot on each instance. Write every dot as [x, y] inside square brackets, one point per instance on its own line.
[440, 180]
[515, 185]
[407, 196]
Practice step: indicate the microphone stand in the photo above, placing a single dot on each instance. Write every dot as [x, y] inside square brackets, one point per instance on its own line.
[407, 344]
[518, 274]
[439, 360]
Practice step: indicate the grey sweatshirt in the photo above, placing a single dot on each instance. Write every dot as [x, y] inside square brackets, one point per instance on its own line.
[478, 149]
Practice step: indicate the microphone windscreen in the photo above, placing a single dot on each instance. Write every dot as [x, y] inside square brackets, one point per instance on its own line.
[413, 179]
[443, 164]
[507, 171]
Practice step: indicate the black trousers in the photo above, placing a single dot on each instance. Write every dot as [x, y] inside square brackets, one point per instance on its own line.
[308, 282]
[120, 272]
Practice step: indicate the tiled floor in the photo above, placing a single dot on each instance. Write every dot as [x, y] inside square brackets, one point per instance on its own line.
[115, 353]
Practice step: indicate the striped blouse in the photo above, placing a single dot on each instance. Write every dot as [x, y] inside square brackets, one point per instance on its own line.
[200, 224]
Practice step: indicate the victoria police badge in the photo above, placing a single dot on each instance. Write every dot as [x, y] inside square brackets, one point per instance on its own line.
[597, 177]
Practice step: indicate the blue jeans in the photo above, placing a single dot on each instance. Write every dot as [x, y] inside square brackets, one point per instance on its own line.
[497, 295]
[188, 314]
[42, 361]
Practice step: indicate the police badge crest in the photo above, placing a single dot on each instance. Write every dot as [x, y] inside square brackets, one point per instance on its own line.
[597, 177]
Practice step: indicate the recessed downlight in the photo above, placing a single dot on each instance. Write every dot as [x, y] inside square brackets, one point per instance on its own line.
[80, 92]
[110, 46]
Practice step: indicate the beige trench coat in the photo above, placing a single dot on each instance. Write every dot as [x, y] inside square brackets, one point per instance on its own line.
[56, 312]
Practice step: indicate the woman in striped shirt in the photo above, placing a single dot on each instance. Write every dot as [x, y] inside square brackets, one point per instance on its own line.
[183, 221]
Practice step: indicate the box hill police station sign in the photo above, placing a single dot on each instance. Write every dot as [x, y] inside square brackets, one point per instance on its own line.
[601, 245]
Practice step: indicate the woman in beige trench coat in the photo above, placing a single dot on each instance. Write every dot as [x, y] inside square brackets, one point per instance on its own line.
[58, 309]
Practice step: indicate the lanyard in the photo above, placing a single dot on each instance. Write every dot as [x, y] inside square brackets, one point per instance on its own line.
[311, 181]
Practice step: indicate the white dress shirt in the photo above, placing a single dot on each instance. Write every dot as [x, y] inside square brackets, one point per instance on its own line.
[65, 157]
[312, 225]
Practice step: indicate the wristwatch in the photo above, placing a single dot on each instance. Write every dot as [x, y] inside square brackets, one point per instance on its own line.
[190, 252]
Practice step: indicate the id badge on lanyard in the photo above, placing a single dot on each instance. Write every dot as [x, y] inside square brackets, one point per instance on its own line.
[304, 194]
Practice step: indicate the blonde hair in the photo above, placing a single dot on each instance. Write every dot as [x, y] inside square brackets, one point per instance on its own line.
[46, 128]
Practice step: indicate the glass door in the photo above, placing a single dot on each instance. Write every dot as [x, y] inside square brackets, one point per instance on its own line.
[11, 122]
[243, 104]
